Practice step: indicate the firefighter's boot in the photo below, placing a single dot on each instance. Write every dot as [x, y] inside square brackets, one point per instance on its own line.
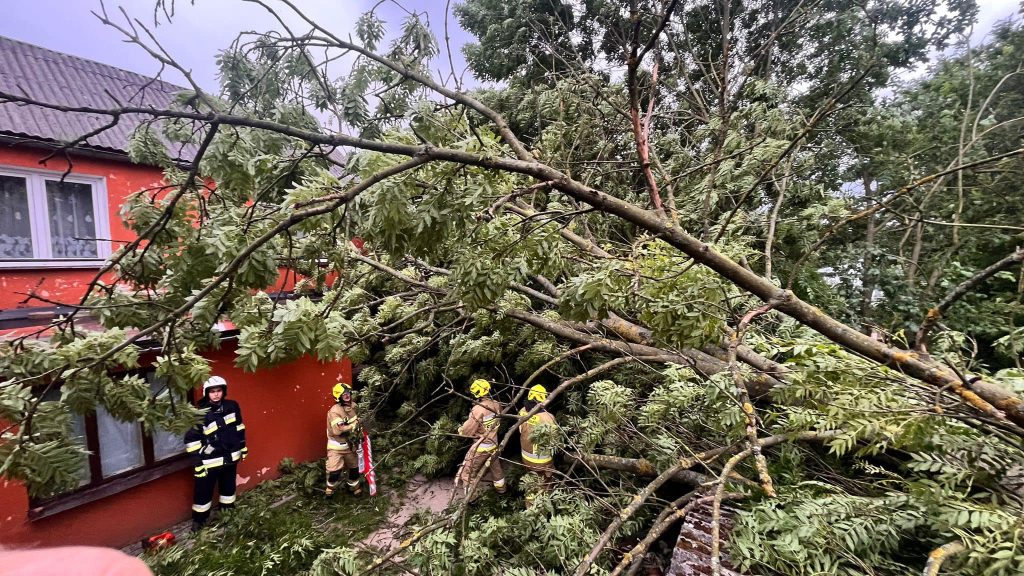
[353, 482]
[333, 478]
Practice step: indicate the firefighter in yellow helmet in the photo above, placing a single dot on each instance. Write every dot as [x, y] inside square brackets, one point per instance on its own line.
[482, 425]
[537, 460]
[342, 440]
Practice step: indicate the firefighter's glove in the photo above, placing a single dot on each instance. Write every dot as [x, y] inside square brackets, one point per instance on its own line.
[245, 452]
[201, 471]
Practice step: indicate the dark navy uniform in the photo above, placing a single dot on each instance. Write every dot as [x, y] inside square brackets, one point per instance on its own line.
[216, 446]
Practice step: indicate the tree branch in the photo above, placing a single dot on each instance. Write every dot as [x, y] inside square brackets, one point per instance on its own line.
[962, 289]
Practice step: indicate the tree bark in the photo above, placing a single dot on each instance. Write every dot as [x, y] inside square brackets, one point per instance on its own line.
[991, 399]
[934, 314]
[867, 278]
[640, 467]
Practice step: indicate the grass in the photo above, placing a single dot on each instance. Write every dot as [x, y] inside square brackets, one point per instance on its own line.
[279, 527]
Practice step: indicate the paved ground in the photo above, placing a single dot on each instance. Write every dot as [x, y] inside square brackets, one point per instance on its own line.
[420, 494]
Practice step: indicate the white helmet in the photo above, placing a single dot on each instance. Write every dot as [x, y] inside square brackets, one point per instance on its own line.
[213, 382]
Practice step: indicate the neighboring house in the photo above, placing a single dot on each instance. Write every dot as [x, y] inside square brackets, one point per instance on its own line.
[54, 237]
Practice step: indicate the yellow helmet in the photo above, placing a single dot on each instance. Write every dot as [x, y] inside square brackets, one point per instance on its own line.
[480, 388]
[537, 393]
[340, 388]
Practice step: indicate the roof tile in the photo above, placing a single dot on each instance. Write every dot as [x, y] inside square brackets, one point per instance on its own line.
[68, 80]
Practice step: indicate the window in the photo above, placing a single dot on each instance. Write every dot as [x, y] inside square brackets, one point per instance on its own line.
[119, 452]
[45, 220]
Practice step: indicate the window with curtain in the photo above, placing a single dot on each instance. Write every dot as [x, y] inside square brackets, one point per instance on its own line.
[120, 444]
[45, 216]
[15, 228]
[78, 432]
[165, 444]
[72, 223]
[119, 449]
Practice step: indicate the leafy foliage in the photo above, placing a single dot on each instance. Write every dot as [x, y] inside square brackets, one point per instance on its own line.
[280, 527]
[777, 134]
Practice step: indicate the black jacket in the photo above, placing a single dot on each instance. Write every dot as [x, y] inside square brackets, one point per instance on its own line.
[220, 439]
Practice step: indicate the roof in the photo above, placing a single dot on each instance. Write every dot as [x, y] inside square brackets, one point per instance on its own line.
[67, 80]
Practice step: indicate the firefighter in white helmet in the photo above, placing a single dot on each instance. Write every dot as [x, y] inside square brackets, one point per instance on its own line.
[342, 440]
[216, 447]
[537, 459]
[482, 425]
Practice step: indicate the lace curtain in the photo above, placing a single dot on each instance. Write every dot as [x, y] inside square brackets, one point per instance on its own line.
[15, 226]
[72, 222]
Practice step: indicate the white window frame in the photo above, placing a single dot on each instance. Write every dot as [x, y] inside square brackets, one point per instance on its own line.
[40, 221]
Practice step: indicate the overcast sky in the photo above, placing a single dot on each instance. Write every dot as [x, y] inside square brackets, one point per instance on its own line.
[199, 31]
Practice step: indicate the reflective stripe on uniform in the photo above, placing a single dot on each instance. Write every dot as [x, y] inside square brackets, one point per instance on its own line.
[227, 499]
[485, 447]
[213, 462]
[236, 455]
[230, 418]
[193, 446]
[240, 426]
[535, 458]
[490, 421]
[202, 507]
[353, 483]
[333, 444]
[337, 421]
[499, 483]
[210, 428]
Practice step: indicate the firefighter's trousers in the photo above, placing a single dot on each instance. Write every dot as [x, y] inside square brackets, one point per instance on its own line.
[223, 477]
[544, 479]
[482, 454]
[338, 461]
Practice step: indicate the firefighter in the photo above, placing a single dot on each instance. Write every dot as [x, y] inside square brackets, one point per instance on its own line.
[537, 460]
[482, 425]
[342, 440]
[216, 446]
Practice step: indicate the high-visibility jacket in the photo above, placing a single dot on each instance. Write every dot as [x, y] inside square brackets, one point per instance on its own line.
[220, 439]
[530, 452]
[482, 424]
[341, 423]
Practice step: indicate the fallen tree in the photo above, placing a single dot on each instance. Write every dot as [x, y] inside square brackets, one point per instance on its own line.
[616, 221]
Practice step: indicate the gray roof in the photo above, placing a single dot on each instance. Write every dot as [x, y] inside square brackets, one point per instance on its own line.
[59, 78]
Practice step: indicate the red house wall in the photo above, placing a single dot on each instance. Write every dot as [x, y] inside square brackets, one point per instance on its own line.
[67, 285]
[283, 409]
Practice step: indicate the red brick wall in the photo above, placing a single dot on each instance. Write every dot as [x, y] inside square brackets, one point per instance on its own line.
[283, 408]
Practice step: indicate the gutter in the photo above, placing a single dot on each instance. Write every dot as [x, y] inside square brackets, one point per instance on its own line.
[14, 139]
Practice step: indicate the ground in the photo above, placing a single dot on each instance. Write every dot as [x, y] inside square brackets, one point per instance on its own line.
[282, 526]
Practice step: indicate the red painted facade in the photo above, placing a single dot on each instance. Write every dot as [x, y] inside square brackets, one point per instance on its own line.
[64, 285]
[283, 407]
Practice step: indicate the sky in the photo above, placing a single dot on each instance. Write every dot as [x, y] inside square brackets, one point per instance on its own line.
[203, 27]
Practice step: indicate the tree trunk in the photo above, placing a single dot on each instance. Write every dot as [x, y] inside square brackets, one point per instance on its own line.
[867, 278]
